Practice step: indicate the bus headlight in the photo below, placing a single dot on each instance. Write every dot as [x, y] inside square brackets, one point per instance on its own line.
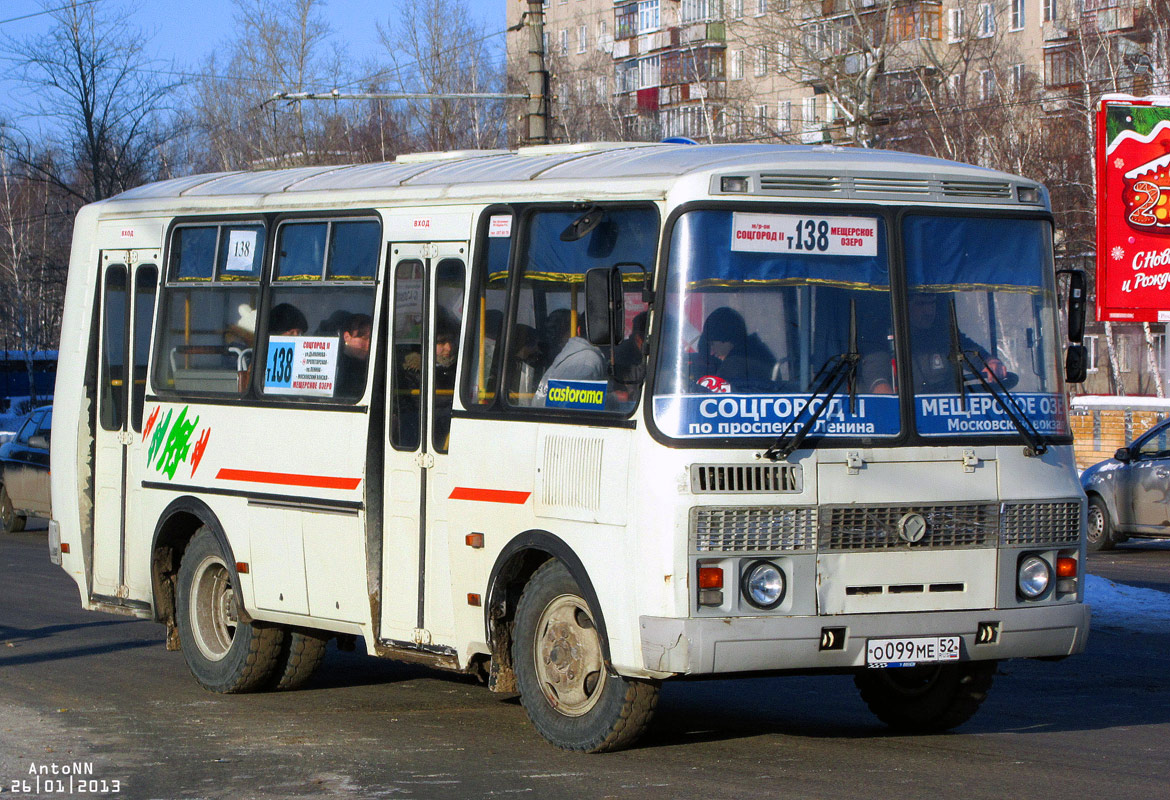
[1034, 577]
[763, 584]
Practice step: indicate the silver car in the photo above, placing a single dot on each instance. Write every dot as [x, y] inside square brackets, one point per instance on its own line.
[1129, 494]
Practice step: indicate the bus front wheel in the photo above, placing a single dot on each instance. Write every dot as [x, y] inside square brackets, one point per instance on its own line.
[926, 699]
[224, 653]
[560, 669]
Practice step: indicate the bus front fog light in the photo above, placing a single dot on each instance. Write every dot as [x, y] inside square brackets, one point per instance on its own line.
[763, 584]
[1034, 577]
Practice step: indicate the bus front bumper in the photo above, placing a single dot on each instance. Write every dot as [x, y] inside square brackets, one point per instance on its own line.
[716, 645]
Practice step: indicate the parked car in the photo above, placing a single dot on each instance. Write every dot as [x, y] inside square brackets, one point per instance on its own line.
[1129, 494]
[24, 471]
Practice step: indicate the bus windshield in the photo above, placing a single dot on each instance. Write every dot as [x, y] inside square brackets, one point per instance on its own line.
[760, 305]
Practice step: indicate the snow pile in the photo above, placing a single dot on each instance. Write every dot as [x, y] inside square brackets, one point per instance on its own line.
[1117, 605]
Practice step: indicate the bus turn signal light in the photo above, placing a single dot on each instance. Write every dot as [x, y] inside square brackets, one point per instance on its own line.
[242, 567]
[1066, 567]
[64, 547]
[710, 577]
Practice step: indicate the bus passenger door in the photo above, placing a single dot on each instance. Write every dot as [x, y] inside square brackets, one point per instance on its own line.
[427, 285]
[127, 297]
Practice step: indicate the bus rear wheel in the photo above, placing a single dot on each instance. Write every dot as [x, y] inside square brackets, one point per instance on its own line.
[9, 520]
[560, 669]
[224, 653]
[301, 652]
[926, 699]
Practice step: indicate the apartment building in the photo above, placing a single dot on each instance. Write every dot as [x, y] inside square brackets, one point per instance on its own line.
[821, 70]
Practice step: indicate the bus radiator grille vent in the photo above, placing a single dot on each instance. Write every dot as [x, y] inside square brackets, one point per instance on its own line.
[786, 183]
[999, 190]
[572, 473]
[746, 479]
[752, 530]
[851, 528]
[1040, 523]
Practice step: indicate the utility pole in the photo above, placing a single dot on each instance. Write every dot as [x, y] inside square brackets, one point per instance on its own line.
[537, 76]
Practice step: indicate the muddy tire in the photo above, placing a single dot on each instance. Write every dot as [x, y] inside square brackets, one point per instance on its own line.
[224, 654]
[301, 652]
[570, 697]
[9, 520]
[926, 699]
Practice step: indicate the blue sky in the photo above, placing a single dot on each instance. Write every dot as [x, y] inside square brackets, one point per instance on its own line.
[186, 38]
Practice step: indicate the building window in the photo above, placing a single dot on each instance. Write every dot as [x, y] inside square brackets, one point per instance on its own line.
[761, 7]
[1018, 73]
[808, 114]
[761, 66]
[955, 85]
[986, 84]
[582, 36]
[784, 115]
[762, 119]
[783, 56]
[986, 20]
[647, 16]
[648, 72]
[602, 33]
[625, 20]
[1091, 353]
[737, 65]
[698, 10]
[954, 25]
[1048, 8]
[564, 42]
[1017, 14]
[736, 9]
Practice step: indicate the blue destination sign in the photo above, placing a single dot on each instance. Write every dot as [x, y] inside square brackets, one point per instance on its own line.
[745, 415]
[948, 415]
[587, 395]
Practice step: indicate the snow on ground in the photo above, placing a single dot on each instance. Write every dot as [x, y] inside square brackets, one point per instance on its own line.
[1118, 605]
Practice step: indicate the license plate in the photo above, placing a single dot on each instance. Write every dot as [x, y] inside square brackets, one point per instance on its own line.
[909, 652]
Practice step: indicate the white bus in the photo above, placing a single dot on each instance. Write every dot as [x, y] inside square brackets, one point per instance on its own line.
[579, 420]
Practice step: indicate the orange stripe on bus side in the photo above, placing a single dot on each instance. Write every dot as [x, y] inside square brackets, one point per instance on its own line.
[489, 495]
[287, 479]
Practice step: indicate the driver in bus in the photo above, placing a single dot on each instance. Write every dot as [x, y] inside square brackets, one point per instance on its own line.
[931, 361]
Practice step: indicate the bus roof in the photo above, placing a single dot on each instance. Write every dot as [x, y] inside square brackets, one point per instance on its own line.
[779, 170]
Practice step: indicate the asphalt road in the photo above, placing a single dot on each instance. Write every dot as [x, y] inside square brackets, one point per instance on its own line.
[81, 687]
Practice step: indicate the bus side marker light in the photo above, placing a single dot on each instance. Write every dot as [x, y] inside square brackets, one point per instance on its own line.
[474, 600]
[1066, 567]
[242, 567]
[474, 540]
[64, 547]
[710, 577]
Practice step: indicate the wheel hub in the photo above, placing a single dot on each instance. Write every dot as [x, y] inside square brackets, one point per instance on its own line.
[568, 657]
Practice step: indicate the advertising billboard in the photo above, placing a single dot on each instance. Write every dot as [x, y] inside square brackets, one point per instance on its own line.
[1133, 209]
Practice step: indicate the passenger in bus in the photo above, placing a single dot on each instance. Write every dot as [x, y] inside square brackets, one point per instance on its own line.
[526, 362]
[730, 359]
[576, 359]
[354, 356]
[285, 319]
[446, 352]
[629, 361]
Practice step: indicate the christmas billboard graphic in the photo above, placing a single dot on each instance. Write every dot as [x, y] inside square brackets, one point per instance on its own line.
[1133, 209]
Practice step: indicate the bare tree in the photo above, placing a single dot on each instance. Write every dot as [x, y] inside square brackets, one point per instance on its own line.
[99, 104]
[436, 46]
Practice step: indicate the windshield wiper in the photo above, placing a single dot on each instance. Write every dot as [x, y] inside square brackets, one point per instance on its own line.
[837, 370]
[1037, 444]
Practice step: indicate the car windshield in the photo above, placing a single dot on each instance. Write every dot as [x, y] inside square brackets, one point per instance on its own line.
[758, 306]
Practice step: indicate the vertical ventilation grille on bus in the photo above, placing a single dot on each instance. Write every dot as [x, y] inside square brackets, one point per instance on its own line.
[572, 473]
[745, 479]
[1040, 523]
[999, 190]
[778, 182]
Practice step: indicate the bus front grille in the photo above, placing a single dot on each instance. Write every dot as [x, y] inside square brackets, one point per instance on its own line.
[752, 530]
[854, 528]
[1040, 523]
[746, 478]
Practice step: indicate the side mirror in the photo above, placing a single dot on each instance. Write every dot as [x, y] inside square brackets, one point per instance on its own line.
[604, 305]
[1077, 297]
[1076, 363]
[1122, 455]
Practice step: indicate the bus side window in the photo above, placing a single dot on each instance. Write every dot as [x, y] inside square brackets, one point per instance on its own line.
[207, 330]
[321, 306]
[448, 316]
[113, 386]
[488, 306]
[406, 356]
[145, 282]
